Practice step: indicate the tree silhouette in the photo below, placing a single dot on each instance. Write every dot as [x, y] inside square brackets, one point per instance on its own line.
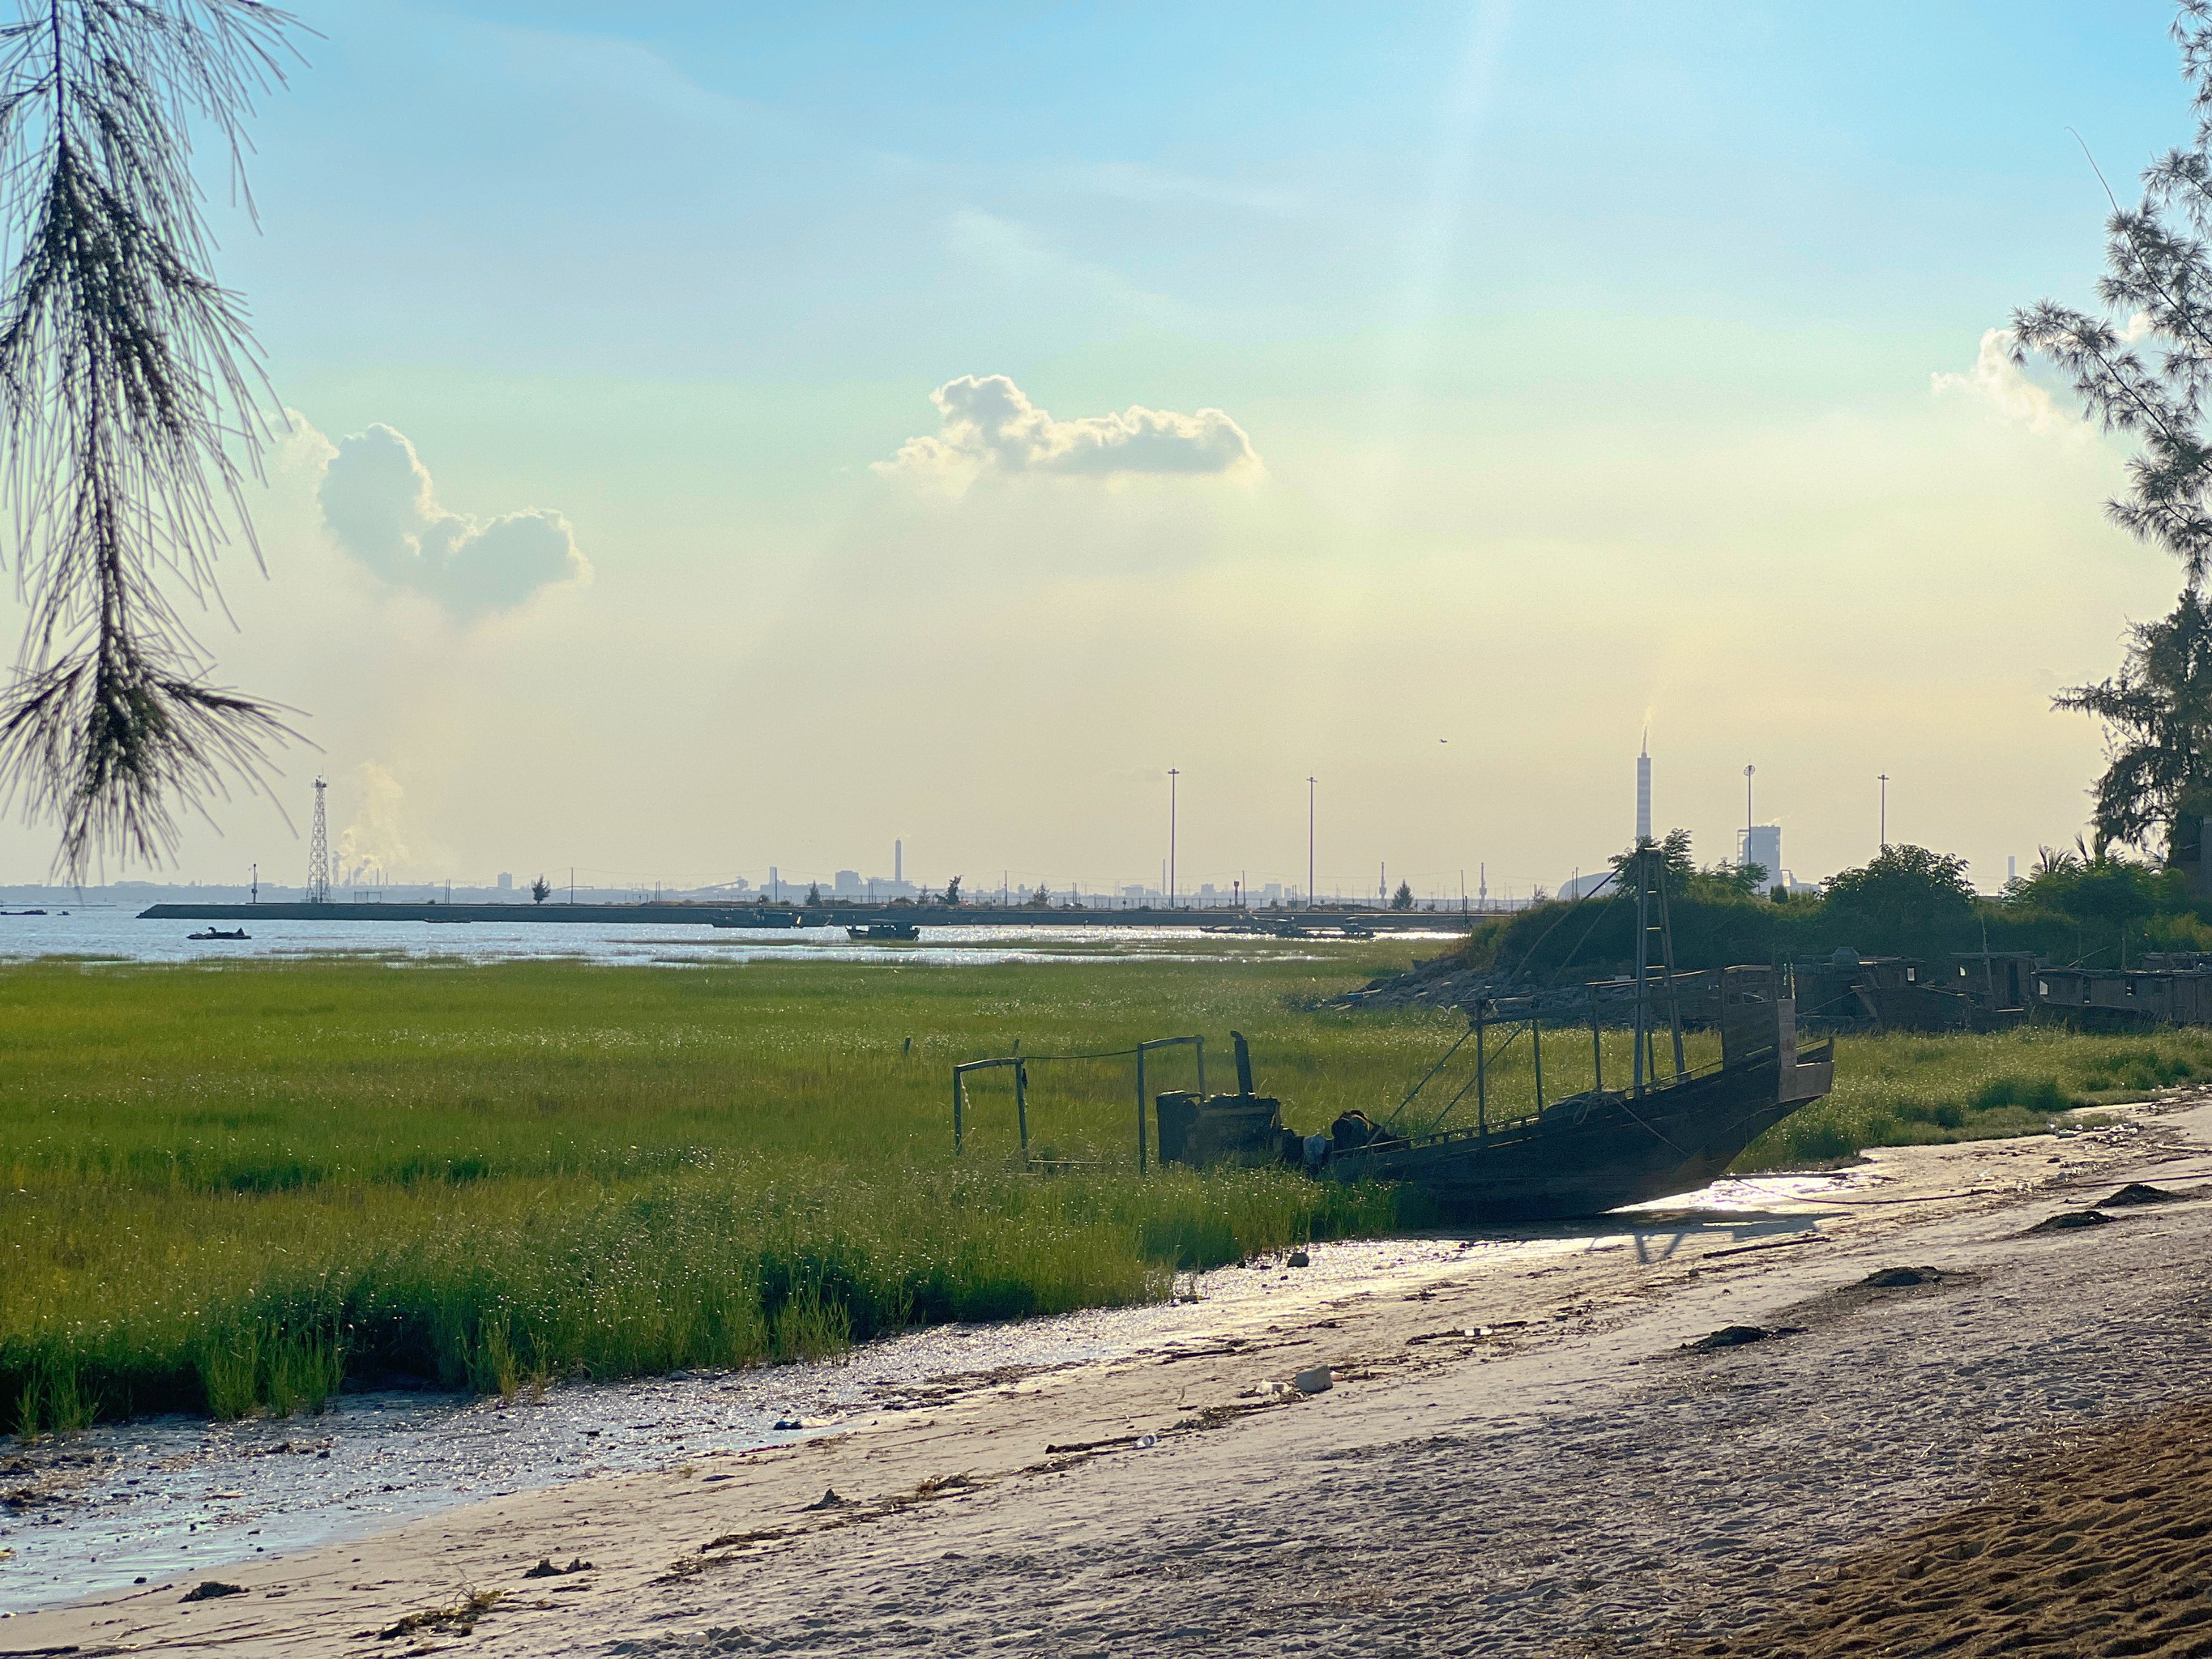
[2157, 712]
[131, 396]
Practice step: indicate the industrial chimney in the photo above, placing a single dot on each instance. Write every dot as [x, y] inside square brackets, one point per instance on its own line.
[1643, 793]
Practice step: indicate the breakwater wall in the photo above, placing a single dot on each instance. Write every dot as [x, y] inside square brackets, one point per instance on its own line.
[677, 914]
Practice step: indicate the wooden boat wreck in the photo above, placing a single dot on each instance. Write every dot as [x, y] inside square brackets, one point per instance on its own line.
[1600, 1149]
[1579, 1155]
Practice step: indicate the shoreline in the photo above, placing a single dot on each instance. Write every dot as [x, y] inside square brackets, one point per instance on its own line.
[1570, 1337]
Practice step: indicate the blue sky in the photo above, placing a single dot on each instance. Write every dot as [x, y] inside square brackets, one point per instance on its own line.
[1588, 355]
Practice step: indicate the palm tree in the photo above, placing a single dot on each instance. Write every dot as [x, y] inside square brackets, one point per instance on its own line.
[130, 400]
[2157, 712]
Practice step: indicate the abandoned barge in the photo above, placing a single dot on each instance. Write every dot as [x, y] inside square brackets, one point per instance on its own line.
[1599, 1148]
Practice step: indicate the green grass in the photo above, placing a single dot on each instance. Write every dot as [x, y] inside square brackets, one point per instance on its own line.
[236, 1188]
[1907, 1090]
[227, 1188]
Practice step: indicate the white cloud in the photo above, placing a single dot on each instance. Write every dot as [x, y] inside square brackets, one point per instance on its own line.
[989, 425]
[377, 500]
[1997, 381]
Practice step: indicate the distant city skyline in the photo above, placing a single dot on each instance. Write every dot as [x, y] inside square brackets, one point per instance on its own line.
[779, 881]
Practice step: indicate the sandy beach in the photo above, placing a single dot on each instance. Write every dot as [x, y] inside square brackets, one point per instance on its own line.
[1525, 1453]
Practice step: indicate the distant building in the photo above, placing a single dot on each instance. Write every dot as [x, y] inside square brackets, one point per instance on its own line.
[849, 884]
[1761, 844]
[507, 881]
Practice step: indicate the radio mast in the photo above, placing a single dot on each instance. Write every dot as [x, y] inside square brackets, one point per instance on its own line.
[319, 851]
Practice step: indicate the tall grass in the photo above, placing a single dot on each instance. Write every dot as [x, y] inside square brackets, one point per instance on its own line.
[233, 1189]
[1899, 1090]
[239, 1188]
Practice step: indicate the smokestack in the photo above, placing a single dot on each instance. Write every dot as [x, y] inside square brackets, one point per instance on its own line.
[1644, 792]
[898, 861]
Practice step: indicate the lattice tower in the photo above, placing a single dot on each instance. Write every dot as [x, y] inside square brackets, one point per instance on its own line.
[319, 851]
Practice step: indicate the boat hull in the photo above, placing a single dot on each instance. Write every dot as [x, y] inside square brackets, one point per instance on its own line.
[1595, 1152]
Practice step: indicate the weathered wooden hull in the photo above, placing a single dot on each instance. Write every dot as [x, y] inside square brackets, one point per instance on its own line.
[1595, 1152]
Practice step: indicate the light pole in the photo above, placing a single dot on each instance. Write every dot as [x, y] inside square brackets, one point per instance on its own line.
[1172, 775]
[1309, 842]
[1884, 780]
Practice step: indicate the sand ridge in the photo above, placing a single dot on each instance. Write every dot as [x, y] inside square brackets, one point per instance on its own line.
[2097, 1548]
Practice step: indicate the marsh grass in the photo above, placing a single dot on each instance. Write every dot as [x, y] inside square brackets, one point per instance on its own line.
[236, 1189]
[239, 1189]
[1905, 1089]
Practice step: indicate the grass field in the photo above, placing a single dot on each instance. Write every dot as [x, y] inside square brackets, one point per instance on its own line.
[230, 1188]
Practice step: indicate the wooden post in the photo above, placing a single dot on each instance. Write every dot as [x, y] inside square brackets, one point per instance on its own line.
[1481, 1081]
[1536, 1049]
[1667, 968]
[1201, 1070]
[1643, 961]
[1022, 1104]
[959, 1095]
[1597, 1046]
[1141, 1109]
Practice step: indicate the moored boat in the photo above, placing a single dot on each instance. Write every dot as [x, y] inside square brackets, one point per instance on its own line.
[1586, 1153]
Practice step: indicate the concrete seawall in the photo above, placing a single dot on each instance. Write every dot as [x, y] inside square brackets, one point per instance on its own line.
[672, 914]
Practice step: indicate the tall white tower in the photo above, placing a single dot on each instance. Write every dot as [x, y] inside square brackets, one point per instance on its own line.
[898, 861]
[1643, 793]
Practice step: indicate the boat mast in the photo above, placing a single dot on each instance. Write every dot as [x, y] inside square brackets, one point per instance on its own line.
[1666, 969]
[1643, 958]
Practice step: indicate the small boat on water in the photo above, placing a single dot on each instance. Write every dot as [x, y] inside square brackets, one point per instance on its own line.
[217, 933]
[885, 933]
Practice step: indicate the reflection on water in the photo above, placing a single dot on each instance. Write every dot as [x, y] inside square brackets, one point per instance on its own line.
[170, 1496]
[119, 935]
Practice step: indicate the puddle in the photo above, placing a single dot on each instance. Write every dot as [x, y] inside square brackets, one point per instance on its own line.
[171, 1497]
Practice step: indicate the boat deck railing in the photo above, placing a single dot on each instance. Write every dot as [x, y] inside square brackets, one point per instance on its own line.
[1515, 1128]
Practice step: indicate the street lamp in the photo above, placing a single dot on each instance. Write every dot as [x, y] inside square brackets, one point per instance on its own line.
[1309, 842]
[1884, 781]
[1172, 775]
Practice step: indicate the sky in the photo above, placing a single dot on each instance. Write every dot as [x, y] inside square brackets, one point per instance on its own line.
[726, 436]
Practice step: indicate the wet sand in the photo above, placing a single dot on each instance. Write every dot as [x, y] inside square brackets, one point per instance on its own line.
[1519, 1455]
